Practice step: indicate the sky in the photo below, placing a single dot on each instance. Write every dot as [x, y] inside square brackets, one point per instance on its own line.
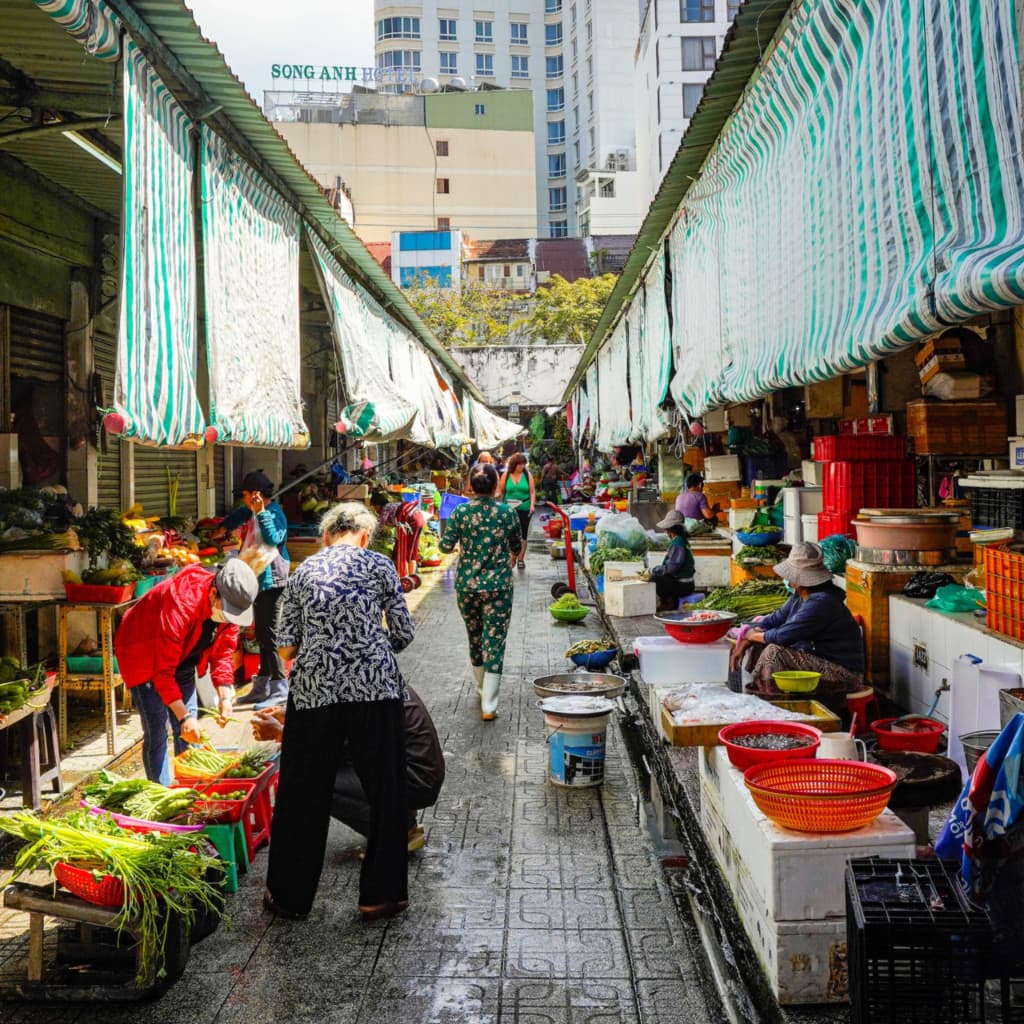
[254, 34]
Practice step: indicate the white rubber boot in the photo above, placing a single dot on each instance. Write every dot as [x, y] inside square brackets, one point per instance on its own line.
[478, 675]
[489, 696]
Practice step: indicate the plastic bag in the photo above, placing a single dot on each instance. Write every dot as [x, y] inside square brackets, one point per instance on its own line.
[695, 527]
[927, 584]
[658, 541]
[837, 550]
[954, 598]
[621, 530]
[256, 552]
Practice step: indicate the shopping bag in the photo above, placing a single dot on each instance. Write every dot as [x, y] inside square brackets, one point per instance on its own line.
[256, 552]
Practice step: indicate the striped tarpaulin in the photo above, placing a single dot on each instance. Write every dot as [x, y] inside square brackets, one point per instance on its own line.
[378, 409]
[868, 192]
[155, 381]
[89, 22]
[593, 402]
[656, 347]
[251, 278]
[487, 429]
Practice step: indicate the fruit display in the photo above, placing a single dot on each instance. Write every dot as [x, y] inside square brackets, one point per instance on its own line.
[119, 573]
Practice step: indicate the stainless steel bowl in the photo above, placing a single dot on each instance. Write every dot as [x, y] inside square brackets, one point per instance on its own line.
[586, 684]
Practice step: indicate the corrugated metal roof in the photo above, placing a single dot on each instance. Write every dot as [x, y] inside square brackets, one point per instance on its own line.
[747, 45]
[498, 250]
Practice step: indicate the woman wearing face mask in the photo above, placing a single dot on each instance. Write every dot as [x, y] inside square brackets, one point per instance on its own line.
[812, 632]
[187, 624]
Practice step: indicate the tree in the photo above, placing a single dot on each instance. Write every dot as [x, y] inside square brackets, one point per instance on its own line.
[567, 312]
[478, 315]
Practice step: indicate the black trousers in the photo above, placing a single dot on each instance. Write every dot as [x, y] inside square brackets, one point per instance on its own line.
[311, 748]
[264, 614]
[669, 587]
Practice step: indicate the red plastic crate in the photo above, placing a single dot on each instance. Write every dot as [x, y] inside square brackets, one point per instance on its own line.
[831, 523]
[84, 593]
[1005, 615]
[226, 811]
[858, 447]
[856, 485]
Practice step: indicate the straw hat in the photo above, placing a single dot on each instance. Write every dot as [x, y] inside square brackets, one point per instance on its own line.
[805, 566]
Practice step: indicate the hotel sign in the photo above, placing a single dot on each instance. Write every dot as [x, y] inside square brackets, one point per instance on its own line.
[341, 73]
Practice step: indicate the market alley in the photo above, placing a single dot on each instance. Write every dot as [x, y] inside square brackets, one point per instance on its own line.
[529, 903]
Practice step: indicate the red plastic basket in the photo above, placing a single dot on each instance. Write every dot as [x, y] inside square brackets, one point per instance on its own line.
[84, 593]
[858, 447]
[222, 812]
[699, 632]
[107, 892]
[924, 739]
[746, 757]
[820, 795]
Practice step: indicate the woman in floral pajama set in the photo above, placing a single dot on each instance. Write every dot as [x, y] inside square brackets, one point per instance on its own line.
[489, 536]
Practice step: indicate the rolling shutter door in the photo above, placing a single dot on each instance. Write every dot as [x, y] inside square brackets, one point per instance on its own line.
[109, 481]
[151, 466]
[221, 500]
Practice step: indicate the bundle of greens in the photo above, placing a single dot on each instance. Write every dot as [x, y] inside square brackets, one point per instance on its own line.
[754, 597]
[103, 532]
[20, 687]
[139, 798]
[203, 762]
[161, 872]
[766, 554]
[569, 601]
[601, 555]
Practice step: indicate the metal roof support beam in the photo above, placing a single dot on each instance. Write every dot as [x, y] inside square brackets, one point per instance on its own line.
[51, 127]
[92, 104]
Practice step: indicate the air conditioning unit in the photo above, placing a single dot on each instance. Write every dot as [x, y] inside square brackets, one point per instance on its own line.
[611, 162]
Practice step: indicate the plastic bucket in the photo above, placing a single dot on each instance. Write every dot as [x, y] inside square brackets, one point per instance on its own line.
[576, 732]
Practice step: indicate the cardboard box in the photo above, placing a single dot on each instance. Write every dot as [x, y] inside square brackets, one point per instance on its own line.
[31, 575]
[628, 598]
[957, 428]
[714, 421]
[939, 356]
[352, 492]
[10, 467]
[738, 416]
[1019, 407]
[722, 469]
[867, 425]
[811, 473]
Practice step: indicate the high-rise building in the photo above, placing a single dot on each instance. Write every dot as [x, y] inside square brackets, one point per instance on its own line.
[679, 43]
[576, 56]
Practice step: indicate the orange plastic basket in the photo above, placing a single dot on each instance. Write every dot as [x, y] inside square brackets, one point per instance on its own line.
[820, 795]
[107, 892]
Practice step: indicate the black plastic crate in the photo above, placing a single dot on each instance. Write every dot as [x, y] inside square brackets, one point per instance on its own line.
[917, 953]
[997, 506]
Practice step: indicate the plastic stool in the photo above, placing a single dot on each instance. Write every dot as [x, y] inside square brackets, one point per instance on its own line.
[859, 702]
[231, 847]
[259, 813]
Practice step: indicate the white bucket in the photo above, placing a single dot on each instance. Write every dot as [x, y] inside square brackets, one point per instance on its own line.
[576, 732]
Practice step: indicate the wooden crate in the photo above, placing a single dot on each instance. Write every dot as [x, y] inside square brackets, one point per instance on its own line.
[811, 711]
[868, 588]
[957, 428]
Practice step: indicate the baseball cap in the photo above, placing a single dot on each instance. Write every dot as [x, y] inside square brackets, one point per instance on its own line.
[237, 586]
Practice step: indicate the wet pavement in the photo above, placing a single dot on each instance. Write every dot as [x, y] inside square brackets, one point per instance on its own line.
[530, 903]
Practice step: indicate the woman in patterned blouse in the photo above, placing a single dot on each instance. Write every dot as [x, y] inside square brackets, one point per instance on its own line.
[344, 685]
[489, 537]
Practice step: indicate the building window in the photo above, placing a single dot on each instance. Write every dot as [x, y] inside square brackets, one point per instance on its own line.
[576, 153]
[485, 65]
[449, 62]
[484, 31]
[575, 119]
[398, 28]
[447, 30]
[573, 51]
[590, 32]
[556, 133]
[553, 34]
[590, 69]
[520, 67]
[572, 13]
[519, 33]
[732, 8]
[559, 229]
[444, 223]
[696, 10]
[552, 6]
[441, 147]
[556, 100]
[593, 143]
[691, 97]
[590, 103]
[399, 59]
[556, 165]
[442, 186]
[606, 189]
[557, 200]
[479, 109]
[508, 270]
[553, 67]
[699, 53]
[520, 270]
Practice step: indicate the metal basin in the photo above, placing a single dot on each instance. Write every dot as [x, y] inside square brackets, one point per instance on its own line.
[588, 684]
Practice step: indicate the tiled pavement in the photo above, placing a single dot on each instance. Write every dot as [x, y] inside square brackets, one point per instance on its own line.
[530, 903]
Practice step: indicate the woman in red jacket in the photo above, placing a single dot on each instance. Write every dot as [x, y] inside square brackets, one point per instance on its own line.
[182, 627]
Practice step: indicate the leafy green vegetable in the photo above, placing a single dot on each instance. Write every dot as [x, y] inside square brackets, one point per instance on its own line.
[601, 555]
[103, 532]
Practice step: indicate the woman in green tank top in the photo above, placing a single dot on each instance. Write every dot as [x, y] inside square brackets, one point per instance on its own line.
[517, 490]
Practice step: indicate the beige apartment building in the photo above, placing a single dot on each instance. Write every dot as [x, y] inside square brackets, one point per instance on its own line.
[460, 161]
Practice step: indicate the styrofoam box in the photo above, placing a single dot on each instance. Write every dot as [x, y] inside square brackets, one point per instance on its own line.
[667, 662]
[653, 558]
[797, 501]
[627, 598]
[740, 518]
[27, 575]
[811, 472]
[792, 529]
[1020, 414]
[722, 469]
[622, 570]
[1017, 452]
[710, 570]
[810, 527]
[795, 876]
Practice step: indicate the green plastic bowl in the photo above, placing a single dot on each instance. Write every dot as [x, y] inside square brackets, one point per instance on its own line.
[796, 682]
[569, 614]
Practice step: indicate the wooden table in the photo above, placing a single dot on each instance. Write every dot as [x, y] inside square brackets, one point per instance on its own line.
[106, 682]
[32, 779]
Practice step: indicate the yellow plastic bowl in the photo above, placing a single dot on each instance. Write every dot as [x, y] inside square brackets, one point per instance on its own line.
[796, 682]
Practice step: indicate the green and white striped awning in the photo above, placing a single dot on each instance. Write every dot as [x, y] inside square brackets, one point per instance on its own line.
[155, 397]
[867, 193]
[251, 278]
[488, 429]
[89, 22]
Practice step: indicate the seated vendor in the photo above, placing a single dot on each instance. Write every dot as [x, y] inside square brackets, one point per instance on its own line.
[692, 503]
[673, 579]
[812, 632]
